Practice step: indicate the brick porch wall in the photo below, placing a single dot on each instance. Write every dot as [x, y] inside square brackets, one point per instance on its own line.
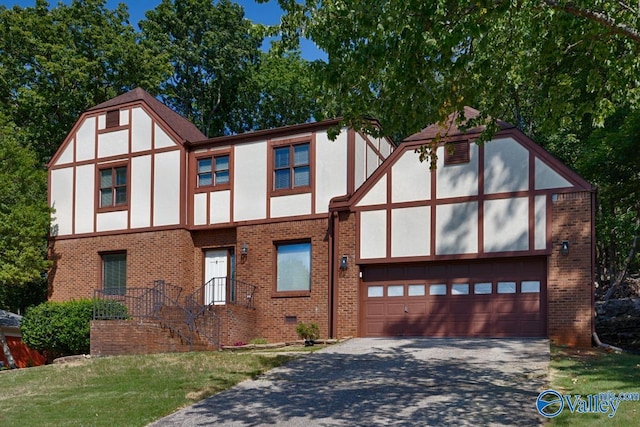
[570, 277]
[237, 324]
[154, 255]
[118, 337]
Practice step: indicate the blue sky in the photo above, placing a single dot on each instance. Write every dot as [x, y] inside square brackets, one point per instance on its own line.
[265, 13]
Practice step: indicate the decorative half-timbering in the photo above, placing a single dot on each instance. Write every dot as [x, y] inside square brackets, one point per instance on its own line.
[275, 227]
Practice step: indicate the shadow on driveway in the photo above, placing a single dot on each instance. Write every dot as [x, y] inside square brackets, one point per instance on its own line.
[403, 381]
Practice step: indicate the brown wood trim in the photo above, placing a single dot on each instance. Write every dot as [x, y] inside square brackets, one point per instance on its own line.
[368, 142]
[433, 199]
[351, 160]
[313, 170]
[114, 208]
[210, 155]
[103, 160]
[268, 134]
[184, 191]
[290, 294]
[470, 256]
[152, 186]
[74, 179]
[532, 202]
[481, 197]
[113, 129]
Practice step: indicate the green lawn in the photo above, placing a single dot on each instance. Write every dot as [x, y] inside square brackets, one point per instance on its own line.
[591, 372]
[123, 390]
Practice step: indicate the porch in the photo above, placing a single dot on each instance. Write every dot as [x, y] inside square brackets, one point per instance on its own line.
[162, 318]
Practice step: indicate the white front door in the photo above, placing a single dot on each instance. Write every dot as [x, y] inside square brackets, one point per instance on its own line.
[215, 276]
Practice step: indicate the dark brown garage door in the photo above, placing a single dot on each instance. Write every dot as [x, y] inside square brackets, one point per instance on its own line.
[464, 299]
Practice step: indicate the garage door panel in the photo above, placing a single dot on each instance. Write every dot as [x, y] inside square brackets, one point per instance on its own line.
[375, 328]
[375, 308]
[419, 308]
[481, 298]
[395, 309]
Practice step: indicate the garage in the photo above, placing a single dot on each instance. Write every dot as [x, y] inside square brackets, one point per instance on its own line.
[493, 298]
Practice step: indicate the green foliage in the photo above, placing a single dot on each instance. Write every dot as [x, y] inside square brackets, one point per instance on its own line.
[59, 61]
[212, 49]
[281, 90]
[58, 328]
[563, 72]
[308, 331]
[258, 341]
[110, 309]
[24, 212]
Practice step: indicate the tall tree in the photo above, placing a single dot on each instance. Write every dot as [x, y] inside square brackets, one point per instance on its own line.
[565, 72]
[280, 90]
[413, 63]
[212, 48]
[58, 61]
[24, 213]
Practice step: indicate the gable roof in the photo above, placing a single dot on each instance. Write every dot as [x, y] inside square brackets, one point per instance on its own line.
[452, 127]
[181, 126]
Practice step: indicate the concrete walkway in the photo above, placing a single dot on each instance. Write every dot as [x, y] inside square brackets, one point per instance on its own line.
[403, 381]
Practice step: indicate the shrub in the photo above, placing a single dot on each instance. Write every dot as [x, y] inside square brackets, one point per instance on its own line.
[109, 309]
[58, 328]
[258, 341]
[309, 332]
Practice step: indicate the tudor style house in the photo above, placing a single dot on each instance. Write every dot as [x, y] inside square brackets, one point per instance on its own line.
[267, 229]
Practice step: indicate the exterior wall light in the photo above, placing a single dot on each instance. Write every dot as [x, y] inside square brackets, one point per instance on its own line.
[245, 249]
[344, 262]
[564, 247]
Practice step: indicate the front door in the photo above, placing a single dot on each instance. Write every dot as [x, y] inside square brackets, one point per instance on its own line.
[215, 276]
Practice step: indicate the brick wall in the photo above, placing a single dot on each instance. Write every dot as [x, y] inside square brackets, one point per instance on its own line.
[570, 279]
[346, 311]
[164, 255]
[237, 324]
[259, 268]
[116, 337]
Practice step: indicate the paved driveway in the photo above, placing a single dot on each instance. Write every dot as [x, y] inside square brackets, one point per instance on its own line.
[397, 381]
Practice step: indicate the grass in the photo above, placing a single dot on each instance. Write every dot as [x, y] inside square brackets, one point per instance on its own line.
[122, 390]
[591, 372]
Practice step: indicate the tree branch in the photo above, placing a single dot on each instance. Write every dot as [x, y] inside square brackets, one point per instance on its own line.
[598, 17]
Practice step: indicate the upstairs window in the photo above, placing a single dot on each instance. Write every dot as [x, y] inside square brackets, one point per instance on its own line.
[291, 166]
[114, 273]
[213, 171]
[456, 153]
[113, 187]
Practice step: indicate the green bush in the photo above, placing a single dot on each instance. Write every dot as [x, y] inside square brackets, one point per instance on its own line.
[58, 328]
[308, 331]
[109, 309]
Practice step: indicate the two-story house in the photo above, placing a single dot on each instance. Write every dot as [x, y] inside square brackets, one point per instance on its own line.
[355, 234]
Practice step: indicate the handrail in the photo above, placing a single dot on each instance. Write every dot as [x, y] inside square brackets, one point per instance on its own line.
[184, 316]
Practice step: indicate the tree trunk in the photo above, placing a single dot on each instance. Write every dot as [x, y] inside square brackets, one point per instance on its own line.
[7, 351]
[625, 267]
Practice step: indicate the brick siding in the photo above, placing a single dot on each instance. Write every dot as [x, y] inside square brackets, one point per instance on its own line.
[570, 277]
[77, 271]
[259, 268]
